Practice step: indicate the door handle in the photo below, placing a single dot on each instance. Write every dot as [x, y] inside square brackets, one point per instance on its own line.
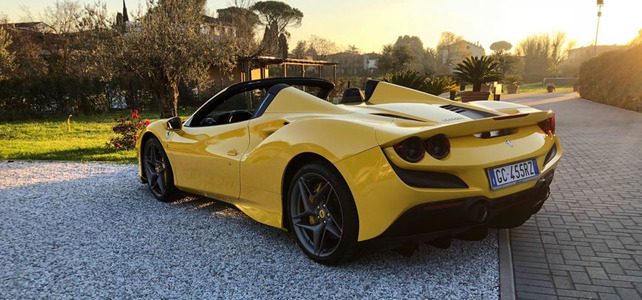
[233, 152]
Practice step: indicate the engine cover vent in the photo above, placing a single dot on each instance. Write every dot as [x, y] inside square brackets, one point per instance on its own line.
[471, 113]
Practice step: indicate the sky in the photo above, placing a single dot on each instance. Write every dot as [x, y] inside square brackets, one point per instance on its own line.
[370, 24]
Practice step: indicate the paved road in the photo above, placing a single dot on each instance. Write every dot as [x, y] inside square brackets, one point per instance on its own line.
[74, 230]
[586, 241]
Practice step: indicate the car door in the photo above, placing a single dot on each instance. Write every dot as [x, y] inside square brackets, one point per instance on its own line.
[206, 156]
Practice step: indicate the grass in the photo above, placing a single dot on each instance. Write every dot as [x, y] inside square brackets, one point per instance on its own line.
[537, 87]
[49, 139]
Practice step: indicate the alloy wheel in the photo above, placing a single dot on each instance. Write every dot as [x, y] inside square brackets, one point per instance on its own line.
[316, 214]
[155, 169]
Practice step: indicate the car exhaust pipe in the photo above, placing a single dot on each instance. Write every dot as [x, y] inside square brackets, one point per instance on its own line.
[544, 193]
[477, 211]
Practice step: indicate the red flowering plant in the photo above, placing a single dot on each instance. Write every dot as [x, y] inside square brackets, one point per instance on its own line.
[127, 129]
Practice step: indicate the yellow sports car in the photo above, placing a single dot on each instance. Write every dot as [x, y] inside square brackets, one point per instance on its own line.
[386, 170]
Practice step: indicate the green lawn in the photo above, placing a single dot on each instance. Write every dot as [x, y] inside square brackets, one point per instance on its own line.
[537, 87]
[49, 139]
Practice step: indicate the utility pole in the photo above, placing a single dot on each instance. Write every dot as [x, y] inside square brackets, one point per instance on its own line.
[600, 3]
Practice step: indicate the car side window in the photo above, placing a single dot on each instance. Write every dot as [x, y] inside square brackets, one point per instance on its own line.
[236, 108]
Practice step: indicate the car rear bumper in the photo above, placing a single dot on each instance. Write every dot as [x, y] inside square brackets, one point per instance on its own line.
[383, 191]
[465, 218]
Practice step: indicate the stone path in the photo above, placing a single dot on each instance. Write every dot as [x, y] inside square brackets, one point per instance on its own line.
[586, 240]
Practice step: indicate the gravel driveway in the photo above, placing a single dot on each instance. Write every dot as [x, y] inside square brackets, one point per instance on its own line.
[90, 230]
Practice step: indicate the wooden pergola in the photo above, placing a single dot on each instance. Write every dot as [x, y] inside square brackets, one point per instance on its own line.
[262, 62]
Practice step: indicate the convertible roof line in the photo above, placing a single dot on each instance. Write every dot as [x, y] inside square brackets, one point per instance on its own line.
[325, 86]
[271, 93]
[320, 82]
[371, 85]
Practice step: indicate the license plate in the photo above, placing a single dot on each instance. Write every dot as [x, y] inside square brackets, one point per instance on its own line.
[514, 173]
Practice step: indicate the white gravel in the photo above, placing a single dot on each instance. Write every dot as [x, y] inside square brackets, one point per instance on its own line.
[90, 230]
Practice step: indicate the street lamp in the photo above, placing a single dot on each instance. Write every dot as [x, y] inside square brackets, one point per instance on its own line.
[600, 3]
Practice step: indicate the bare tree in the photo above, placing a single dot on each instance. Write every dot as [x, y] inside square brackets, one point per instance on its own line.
[543, 54]
[323, 46]
[26, 14]
[64, 17]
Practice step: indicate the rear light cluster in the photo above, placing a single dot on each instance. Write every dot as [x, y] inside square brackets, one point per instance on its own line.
[548, 125]
[413, 149]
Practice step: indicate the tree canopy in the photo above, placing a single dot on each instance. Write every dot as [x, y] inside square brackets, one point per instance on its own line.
[407, 54]
[279, 13]
[245, 22]
[501, 46]
[168, 46]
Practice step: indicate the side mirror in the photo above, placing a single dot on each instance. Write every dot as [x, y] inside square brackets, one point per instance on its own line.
[174, 124]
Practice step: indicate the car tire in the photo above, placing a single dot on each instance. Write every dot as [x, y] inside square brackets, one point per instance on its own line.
[324, 221]
[158, 171]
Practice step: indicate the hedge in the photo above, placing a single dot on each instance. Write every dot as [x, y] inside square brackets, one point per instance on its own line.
[614, 78]
[39, 96]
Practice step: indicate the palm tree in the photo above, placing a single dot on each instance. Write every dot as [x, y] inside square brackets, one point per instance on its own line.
[477, 71]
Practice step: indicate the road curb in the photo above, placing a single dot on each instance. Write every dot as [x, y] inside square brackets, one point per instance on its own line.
[506, 273]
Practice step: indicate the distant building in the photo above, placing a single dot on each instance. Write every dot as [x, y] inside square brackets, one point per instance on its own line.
[211, 26]
[371, 60]
[355, 64]
[215, 26]
[35, 27]
[581, 54]
[460, 50]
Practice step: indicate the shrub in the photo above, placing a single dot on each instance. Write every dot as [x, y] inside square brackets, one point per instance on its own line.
[513, 79]
[128, 129]
[550, 88]
[409, 79]
[36, 96]
[436, 85]
[614, 78]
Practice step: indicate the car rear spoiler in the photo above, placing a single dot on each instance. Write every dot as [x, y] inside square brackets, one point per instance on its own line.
[389, 135]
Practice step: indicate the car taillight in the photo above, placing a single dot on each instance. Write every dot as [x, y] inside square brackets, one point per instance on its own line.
[548, 125]
[410, 149]
[438, 146]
